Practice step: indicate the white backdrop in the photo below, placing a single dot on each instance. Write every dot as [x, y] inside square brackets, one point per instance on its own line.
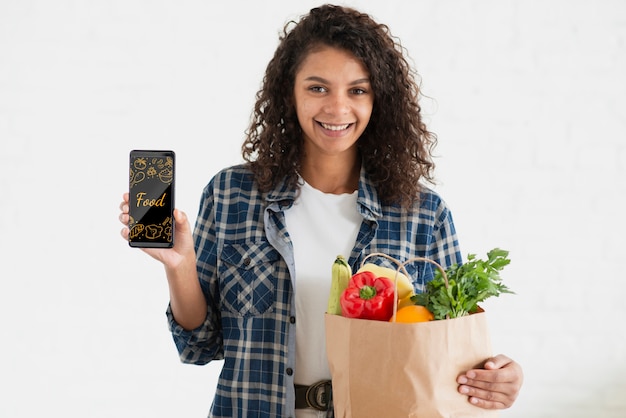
[527, 98]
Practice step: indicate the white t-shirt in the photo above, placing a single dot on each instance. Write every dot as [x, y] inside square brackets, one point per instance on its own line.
[321, 226]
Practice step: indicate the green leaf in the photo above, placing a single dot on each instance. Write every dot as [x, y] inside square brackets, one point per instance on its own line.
[468, 284]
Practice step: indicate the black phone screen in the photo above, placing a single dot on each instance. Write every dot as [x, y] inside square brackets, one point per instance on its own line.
[151, 198]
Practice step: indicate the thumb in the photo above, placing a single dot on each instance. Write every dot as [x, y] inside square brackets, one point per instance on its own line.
[184, 236]
[497, 362]
[181, 219]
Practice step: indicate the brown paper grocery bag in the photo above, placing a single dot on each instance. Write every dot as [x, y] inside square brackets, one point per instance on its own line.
[382, 369]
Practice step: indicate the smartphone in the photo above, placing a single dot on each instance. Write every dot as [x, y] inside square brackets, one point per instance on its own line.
[151, 198]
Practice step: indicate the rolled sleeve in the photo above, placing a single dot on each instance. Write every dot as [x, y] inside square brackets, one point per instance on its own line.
[199, 345]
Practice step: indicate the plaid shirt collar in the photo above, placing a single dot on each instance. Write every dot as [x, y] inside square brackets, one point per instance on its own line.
[369, 204]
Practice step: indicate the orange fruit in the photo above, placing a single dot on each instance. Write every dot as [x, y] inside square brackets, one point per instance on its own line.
[413, 313]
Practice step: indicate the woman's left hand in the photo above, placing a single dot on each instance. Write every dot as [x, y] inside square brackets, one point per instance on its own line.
[494, 387]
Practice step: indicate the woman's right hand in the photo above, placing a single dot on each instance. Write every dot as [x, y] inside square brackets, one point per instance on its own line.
[183, 248]
[187, 301]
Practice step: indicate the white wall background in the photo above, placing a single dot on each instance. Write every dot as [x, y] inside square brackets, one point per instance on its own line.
[528, 100]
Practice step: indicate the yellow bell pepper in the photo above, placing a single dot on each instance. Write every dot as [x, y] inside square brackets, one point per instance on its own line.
[405, 286]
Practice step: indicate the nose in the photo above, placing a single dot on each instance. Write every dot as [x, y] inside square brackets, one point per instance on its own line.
[337, 103]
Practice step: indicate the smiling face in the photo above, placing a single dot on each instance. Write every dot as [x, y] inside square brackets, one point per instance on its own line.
[333, 101]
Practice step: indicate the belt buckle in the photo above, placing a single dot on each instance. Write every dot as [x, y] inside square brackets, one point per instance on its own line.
[318, 395]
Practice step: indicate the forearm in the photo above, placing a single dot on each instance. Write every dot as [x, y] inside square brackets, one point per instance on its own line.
[187, 301]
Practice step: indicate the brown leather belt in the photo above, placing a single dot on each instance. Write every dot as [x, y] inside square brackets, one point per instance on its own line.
[316, 396]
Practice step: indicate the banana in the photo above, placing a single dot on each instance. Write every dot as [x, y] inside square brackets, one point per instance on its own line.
[405, 287]
[341, 273]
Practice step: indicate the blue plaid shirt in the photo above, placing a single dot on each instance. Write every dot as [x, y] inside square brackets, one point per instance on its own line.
[246, 268]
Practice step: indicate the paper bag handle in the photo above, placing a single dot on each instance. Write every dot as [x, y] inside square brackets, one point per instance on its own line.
[401, 267]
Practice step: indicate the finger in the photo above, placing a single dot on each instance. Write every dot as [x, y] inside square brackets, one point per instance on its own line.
[180, 216]
[497, 362]
[488, 399]
[491, 389]
[488, 404]
[124, 218]
[486, 379]
[182, 222]
[125, 232]
[125, 198]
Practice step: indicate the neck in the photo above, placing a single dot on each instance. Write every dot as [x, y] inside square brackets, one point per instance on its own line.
[332, 175]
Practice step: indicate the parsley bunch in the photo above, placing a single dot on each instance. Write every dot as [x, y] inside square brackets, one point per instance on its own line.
[468, 284]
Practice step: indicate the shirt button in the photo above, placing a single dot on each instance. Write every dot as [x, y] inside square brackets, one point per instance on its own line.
[292, 319]
[247, 261]
[289, 371]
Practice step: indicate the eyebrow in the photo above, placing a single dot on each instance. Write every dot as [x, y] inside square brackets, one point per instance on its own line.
[323, 80]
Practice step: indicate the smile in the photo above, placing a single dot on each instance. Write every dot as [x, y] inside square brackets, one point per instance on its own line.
[334, 127]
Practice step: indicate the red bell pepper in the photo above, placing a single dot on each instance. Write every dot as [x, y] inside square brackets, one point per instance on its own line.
[368, 297]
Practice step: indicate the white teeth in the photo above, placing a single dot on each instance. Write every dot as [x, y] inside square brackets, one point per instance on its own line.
[334, 127]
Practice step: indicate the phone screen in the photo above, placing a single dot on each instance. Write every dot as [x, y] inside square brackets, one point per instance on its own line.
[151, 198]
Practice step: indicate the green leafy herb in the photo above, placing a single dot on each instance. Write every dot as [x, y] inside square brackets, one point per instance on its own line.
[468, 284]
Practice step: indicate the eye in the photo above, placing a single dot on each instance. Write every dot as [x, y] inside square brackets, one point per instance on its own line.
[318, 89]
[358, 91]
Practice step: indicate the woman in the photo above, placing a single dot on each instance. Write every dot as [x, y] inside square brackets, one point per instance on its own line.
[336, 160]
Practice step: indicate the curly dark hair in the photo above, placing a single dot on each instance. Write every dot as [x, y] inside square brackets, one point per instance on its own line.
[395, 147]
